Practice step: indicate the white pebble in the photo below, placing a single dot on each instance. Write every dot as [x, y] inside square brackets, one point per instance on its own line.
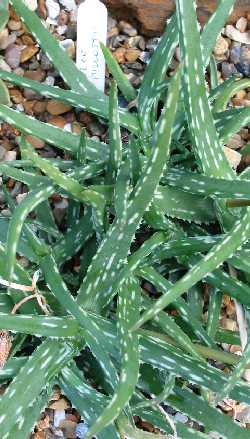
[21, 197]
[20, 108]
[70, 5]
[61, 30]
[53, 9]
[235, 35]
[68, 127]
[50, 80]
[181, 418]
[10, 155]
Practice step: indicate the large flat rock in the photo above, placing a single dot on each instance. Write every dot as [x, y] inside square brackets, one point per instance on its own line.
[151, 14]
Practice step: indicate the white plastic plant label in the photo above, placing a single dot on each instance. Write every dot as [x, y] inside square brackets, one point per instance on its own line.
[92, 22]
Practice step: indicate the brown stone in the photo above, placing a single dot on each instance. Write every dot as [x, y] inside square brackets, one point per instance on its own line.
[28, 52]
[40, 107]
[132, 55]
[16, 95]
[151, 14]
[58, 121]
[28, 106]
[14, 25]
[119, 55]
[56, 108]
[36, 75]
[42, 10]
[27, 40]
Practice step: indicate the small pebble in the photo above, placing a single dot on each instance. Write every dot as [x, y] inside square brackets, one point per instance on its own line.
[61, 30]
[234, 158]
[152, 44]
[4, 66]
[221, 46]
[16, 95]
[69, 5]
[181, 418]
[19, 71]
[58, 121]
[133, 42]
[118, 41]
[36, 75]
[228, 70]
[21, 197]
[28, 40]
[244, 65]
[235, 142]
[68, 127]
[10, 155]
[13, 56]
[235, 35]
[7, 41]
[53, 9]
[241, 24]
[14, 25]
[145, 57]
[20, 108]
[28, 52]
[42, 10]
[235, 54]
[119, 55]
[50, 80]
[69, 46]
[40, 107]
[81, 430]
[63, 18]
[127, 29]
[132, 55]
[45, 62]
[56, 108]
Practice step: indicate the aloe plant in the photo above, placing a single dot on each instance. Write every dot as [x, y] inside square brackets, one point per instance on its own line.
[159, 208]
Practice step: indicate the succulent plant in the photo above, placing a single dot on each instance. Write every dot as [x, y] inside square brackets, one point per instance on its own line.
[165, 207]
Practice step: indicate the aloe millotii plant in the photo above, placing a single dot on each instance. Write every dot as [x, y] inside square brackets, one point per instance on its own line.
[115, 349]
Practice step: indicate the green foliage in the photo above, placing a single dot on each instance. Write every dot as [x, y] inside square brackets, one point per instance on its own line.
[149, 230]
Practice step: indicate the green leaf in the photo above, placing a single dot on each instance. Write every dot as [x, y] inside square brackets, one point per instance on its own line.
[222, 99]
[91, 334]
[40, 326]
[215, 257]
[155, 73]
[128, 313]
[123, 83]
[32, 200]
[235, 376]
[48, 358]
[115, 142]
[212, 419]
[96, 289]
[202, 185]
[205, 140]
[26, 422]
